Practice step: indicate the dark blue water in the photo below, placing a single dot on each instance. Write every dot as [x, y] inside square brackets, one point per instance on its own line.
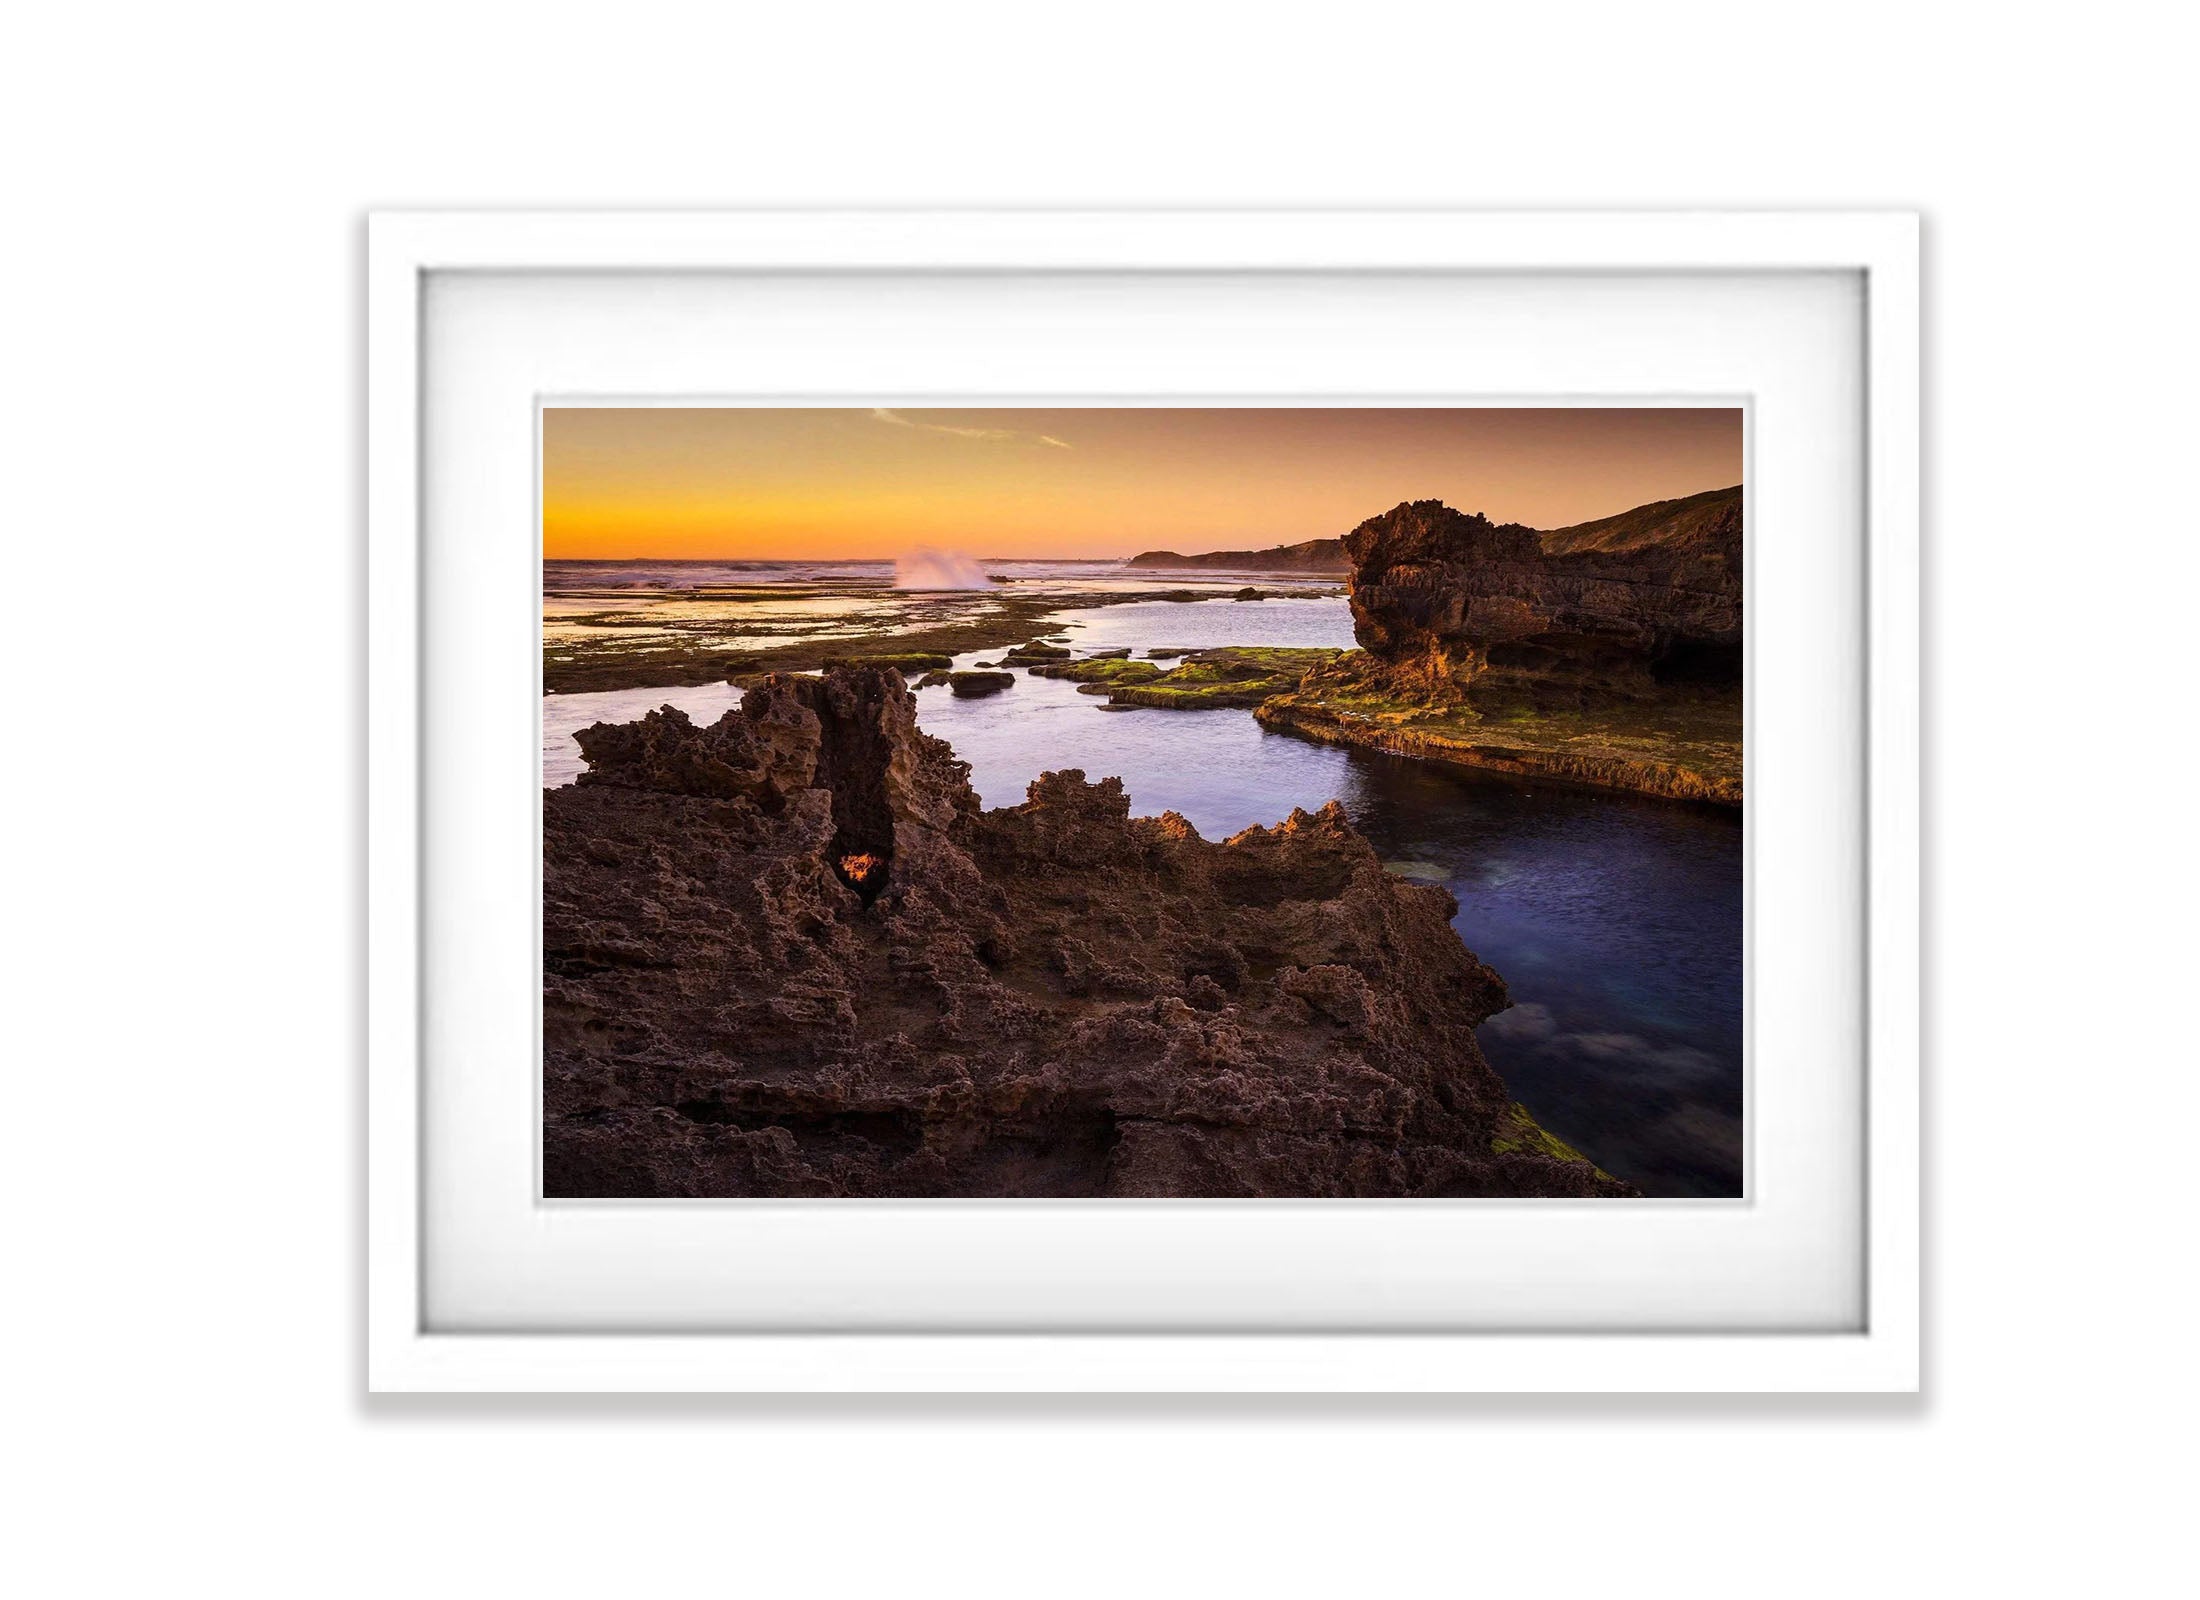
[1617, 924]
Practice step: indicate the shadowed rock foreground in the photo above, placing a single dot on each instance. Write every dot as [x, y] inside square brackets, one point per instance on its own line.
[788, 954]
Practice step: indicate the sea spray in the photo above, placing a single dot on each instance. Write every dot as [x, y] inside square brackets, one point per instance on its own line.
[938, 569]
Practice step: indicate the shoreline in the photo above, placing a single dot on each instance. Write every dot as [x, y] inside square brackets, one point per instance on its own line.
[588, 666]
[1657, 779]
[1685, 748]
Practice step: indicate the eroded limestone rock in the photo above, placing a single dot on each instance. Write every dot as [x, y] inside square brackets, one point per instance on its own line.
[788, 954]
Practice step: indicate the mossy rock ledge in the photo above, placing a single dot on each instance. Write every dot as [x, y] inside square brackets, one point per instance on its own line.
[1024, 655]
[1677, 748]
[1237, 676]
[1095, 673]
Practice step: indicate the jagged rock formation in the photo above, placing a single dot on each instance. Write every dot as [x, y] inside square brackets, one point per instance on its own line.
[1608, 653]
[788, 954]
[1311, 555]
[1459, 605]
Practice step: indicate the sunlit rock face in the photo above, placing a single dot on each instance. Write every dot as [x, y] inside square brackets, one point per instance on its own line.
[788, 954]
[1460, 608]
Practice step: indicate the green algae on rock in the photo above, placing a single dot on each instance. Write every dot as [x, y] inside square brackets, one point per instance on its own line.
[1097, 670]
[1677, 748]
[1234, 675]
[1519, 1131]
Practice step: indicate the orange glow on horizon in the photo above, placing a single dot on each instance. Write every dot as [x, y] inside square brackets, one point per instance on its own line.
[792, 483]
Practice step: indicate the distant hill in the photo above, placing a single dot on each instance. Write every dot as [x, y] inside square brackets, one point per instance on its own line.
[1315, 555]
[1713, 518]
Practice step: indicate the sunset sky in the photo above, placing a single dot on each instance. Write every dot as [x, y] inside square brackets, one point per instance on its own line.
[786, 483]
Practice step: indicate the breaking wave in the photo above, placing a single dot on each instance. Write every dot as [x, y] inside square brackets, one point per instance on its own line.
[938, 569]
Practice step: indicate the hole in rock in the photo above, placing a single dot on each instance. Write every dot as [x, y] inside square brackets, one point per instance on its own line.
[853, 759]
[862, 872]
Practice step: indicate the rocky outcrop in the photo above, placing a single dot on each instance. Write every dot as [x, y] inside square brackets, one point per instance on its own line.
[1608, 654]
[788, 954]
[1462, 606]
[1311, 555]
[1024, 655]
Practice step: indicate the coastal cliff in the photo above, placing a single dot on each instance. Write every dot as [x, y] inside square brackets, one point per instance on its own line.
[1311, 555]
[1497, 613]
[1609, 653]
[789, 954]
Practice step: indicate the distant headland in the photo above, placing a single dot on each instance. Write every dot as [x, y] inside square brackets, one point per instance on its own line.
[1312, 555]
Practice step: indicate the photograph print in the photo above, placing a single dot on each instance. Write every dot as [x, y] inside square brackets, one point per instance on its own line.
[1142, 802]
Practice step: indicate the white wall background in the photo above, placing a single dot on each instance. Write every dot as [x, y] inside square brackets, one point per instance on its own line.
[182, 441]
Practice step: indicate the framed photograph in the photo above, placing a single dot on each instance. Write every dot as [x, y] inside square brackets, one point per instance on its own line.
[1143, 801]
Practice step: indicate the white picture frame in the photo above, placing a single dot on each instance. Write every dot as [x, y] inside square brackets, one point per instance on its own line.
[407, 1352]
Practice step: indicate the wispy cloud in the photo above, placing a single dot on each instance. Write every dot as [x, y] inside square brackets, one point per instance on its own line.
[1001, 435]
